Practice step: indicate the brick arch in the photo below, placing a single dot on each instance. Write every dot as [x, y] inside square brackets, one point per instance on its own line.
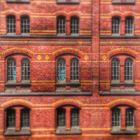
[24, 13]
[10, 12]
[122, 51]
[127, 102]
[67, 102]
[61, 13]
[129, 13]
[67, 51]
[14, 102]
[11, 51]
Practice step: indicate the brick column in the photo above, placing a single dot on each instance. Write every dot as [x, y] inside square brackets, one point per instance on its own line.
[18, 25]
[17, 118]
[121, 71]
[122, 26]
[123, 117]
[67, 26]
[18, 70]
[68, 118]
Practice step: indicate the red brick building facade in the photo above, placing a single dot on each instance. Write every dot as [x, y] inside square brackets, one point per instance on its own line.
[69, 70]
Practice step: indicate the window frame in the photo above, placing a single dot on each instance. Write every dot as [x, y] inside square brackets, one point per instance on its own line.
[116, 26]
[129, 32]
[25, 28]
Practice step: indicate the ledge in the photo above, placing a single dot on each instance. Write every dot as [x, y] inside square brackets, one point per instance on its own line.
[18, 84]
[124, 132]
[120, 37]
[122, 84]
[120, 93]
[71, 131]
[68, 84]
[57, 93]
[13, 132]
[46, 36]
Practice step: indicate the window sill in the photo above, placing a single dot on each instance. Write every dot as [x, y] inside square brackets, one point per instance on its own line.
[24, 83]
[122, 84]
[18, 1]
[68, 84]
[14, 132]
[124, 132]
[71, 131]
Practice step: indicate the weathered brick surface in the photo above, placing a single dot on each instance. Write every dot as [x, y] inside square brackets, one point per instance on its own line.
[95, 58]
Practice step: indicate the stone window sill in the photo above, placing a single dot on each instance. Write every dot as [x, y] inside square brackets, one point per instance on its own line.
[76, 83]
[124, 132]
[71, 131]
[18, 1]
[123, 84]
[14, 132]
[24, 83]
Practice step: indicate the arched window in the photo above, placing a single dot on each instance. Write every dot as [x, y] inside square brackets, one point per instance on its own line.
[115, 25]
[128, 72]
[74, 25]
[61, 70]
[74, 117]
[10, 118]
[25, 68]
[116, 117]
[130, 117]
[74, 69]
[11, 70]
[11, 24]
[61, 117]
[115, 69]
[129, 25]
[61, 25]
[25, 24]
[25, 116]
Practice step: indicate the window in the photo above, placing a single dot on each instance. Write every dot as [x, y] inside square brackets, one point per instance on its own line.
[25, 68]
[74, 25]
[61, 25]
[18, 1]
[11, 24]
[123, 120]
[25, 117]
[116, 117]
[11, 70]
[74, 69]
[74, 117]
[61, 117]
[25, 25]
[68, 120]
[61, 70]
[128, 70]
[129, 117]
[129, 25]
[16, 125]
[115, 69]
[115, 25]
[10, 118]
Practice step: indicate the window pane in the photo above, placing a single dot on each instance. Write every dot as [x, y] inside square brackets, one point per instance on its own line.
[10, 118]
[116, 117]
[75, 117]
[74, 69]
[25, 24]
[11, 69]
[129, 117]
[128, 69]
[61, 117]
[115, 69]
[115, 25]
[61, 25]
[74, 25]
[25, 118]
[11, 24]
[61, 70]
[25, 68]
[129, 25]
